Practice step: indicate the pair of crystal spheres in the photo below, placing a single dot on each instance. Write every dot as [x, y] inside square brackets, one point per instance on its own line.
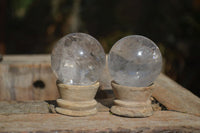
[79, 59]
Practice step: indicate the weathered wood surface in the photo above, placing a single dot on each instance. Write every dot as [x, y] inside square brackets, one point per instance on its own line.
[27, 77]
[132, 101]
[36, 107]
[77, 100]
[161, 121]
[19, 73]
[13, 107]
[175, 97]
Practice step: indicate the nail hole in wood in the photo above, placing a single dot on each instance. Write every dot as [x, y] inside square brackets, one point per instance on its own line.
[39, 84]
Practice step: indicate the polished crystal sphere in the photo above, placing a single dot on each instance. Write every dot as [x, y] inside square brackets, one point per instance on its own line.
[134, 61]
[78, 59]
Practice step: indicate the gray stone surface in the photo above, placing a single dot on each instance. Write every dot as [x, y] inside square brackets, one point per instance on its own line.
[78, 59]
[134, 61]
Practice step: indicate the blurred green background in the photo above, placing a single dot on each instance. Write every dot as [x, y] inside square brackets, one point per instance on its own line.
[34, 26]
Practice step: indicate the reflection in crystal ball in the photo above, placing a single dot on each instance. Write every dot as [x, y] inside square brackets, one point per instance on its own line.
[78, 59]
[134, 61]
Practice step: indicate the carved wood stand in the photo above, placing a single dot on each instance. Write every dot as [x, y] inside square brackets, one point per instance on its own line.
[132, 101]
[77, 100]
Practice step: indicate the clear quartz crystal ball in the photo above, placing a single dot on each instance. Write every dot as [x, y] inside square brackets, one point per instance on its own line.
[134, 61]
[78, 59]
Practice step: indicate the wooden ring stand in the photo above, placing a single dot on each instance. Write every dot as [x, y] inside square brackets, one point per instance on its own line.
[132, 101]
[77, 100]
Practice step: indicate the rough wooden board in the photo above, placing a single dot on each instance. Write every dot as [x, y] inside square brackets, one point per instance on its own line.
[175, 97]
[10, 59]
[163, 121]
[13, 107]
[33, 107]
[19, 73]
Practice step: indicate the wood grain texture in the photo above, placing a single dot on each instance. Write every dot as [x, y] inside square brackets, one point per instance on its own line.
[132, 101]
[175, 97]
[77, 100]
[39, 107]
[19, 74]
[30, 107]
[162, 121]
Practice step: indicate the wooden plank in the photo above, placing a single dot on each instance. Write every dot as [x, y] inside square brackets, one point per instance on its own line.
[175, 97]
[27, 77]
[18, 73]
[33, 107]
[161, 121]
[13, 107]
[21, 59]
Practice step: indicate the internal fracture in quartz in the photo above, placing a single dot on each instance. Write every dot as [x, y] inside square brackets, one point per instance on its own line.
[78, 59]
[134, 61]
